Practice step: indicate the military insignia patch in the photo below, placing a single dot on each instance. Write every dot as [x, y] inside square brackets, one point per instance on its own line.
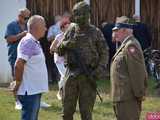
[131, 49]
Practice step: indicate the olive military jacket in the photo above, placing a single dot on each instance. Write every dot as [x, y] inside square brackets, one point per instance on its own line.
[128, 72]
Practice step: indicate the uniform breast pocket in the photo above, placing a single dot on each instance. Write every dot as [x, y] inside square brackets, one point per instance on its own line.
[119, 60]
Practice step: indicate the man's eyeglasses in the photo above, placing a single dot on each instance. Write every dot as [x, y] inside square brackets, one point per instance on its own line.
[26, 18]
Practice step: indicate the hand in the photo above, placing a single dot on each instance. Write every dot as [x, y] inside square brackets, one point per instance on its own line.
[14, 93]
[69, 44]
[24, 33]
[12, 85]
[16, 87]
[51, 52]
[141, 98]
[15, 90]
[20, 35]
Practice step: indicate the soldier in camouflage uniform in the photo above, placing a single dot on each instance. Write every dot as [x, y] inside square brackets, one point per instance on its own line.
[128, 73]
[83, 43]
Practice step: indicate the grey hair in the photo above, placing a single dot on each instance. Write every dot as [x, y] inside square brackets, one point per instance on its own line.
[24, 11]
[34, 20]
[130, 31]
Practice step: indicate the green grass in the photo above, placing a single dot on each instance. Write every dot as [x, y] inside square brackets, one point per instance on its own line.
[102, 111]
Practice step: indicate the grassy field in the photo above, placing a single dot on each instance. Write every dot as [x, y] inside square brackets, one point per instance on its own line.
[102, 111]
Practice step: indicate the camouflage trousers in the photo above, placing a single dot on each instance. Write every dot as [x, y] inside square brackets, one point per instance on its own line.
[77, 89]
[127, 110]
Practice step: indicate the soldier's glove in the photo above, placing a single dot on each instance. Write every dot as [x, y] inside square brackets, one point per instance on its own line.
[69, 44]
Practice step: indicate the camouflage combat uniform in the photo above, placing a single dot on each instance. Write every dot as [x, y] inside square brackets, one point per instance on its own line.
[93, 51]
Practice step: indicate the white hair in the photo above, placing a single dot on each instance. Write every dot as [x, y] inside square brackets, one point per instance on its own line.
[130, 31]
[33, 21]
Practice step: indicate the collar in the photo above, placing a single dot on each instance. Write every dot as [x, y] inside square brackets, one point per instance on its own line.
[126, 39]
[122, 46]
[17, 22]
[32, 37]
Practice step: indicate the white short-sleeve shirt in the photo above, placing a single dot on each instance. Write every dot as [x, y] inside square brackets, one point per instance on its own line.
[35, 76]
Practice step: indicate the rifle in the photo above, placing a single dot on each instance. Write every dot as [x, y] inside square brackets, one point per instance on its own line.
[86, 71]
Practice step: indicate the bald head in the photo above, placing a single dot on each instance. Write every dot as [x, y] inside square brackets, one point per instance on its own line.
[34, 21]
[37, 26]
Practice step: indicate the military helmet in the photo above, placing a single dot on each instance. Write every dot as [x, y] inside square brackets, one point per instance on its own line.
[81, 13]
[81, 7]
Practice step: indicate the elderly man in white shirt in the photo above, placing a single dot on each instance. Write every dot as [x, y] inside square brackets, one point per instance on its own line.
[30, 69]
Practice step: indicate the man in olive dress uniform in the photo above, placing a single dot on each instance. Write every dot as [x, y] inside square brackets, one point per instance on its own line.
[128, 73]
